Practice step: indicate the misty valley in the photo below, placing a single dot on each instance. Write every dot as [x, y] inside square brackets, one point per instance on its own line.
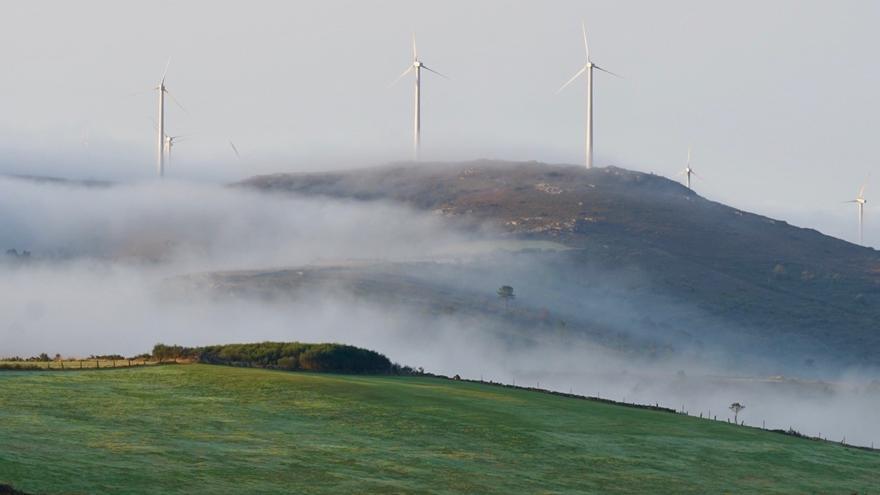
[459, 247]
[621, 283]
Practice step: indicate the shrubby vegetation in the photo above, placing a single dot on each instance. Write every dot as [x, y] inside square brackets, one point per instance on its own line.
[285, 355]
[294, 356]
[8, 490]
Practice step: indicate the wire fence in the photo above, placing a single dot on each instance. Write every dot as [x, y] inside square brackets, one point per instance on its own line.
[75, 364]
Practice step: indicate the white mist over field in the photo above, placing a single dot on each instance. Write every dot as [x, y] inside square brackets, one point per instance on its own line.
[103, 263]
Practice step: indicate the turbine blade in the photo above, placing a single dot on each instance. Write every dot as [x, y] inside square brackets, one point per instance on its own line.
[862, 189]
[407, 71]
[143, 92]
[586, 45]
[583, 69]
[689, 156]
[434, 71]
[234, 149]
[607, 71]
[165, 72]
[176, 102]
[415, 50]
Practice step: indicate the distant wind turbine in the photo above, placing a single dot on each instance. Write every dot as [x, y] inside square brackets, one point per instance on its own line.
[169, 143]
[588, 69]
[234, 149]
[860, 201]
[417, 66]
[161, 124]
[688, 171]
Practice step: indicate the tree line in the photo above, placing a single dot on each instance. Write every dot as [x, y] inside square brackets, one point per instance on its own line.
[294, 356]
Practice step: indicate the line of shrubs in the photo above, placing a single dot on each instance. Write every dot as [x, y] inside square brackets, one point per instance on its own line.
[286, 355]
[9, 490]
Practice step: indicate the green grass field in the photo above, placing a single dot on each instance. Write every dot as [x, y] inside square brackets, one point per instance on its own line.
[211, 429]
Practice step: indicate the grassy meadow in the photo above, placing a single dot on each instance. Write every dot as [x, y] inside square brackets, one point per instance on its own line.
[212, 429]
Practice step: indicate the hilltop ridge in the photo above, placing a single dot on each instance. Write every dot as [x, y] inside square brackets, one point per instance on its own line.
[789, 287]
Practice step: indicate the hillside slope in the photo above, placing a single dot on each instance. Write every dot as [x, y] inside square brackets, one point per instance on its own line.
[210, 429]
[789, 289]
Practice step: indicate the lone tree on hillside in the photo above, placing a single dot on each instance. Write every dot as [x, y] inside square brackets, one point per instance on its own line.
[736, 407]
[506, 293]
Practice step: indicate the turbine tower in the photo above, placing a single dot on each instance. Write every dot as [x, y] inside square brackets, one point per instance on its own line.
[588, 69]
[417, 66]
[161, 125]
[860, 201]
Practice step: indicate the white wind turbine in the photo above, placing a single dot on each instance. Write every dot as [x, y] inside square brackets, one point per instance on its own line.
[688, 171]
[417, 66]
[169, 143]
[161, 124]
[860, 201]
[163, 142]
[588, 69]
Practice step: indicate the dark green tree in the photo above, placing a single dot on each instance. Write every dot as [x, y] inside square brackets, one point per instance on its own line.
[505, 292]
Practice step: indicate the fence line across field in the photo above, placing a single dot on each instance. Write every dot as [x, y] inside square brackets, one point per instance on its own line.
[76, 364]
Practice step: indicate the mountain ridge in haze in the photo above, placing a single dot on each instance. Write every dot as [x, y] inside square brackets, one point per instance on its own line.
[788, 287]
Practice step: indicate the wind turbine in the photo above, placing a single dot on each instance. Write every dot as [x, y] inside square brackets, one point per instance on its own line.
[588, 69]
[688, 171]
[161, 125]
[234, 149]
[169, 143]
[860, 201]
[417, 66]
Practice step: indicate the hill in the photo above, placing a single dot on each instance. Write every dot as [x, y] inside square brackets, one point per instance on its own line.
[202, 428]
[747, 279]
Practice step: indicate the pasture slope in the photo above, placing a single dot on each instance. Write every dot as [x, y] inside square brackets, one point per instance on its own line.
[213, 429]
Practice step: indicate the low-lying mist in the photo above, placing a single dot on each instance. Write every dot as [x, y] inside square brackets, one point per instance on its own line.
[104, 261]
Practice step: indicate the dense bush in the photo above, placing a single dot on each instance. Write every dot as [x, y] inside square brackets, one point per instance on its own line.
[8, 490]
[108, 357]
[284, 355]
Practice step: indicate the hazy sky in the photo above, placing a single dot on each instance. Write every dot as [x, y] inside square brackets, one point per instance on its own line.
[779, 99]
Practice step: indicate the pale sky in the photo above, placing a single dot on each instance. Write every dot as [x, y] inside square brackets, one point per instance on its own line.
[779, 99]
